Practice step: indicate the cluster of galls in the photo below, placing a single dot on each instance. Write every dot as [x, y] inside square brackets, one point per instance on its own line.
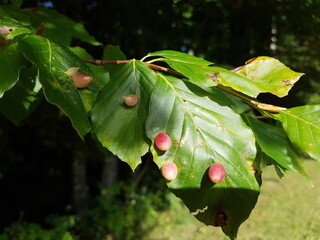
[169, 169]
[80, 80]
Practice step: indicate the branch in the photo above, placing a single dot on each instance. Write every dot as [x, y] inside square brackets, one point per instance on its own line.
[260, 106]
[117, 62]
[105, 62]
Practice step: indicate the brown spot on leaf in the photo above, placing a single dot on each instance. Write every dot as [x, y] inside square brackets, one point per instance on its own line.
[220, 219]
[287, 82]
[214, 77]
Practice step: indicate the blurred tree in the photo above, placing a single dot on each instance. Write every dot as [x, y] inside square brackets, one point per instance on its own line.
[223, 31]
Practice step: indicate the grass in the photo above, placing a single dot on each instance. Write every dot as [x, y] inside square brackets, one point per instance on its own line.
[287, 208]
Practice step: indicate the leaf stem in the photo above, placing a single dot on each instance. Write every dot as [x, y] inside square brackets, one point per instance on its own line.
[150, 65]
[261, 106]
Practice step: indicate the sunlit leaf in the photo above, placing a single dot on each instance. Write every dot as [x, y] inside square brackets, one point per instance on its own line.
[274, 143]
[202, 133]
[118, 127]
[302, 125]
[263, 74]
[270, 75]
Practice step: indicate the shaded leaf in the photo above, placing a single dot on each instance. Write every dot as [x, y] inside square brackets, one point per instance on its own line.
[15, 27]
[101, 75]
[23, 98]
[222, 98]
[17, 2]
[113, 52]
[202, 133]
[11, 63]
[118, 127]
[57, 27]
[275, 144]
[302, 125]
[11, 11]
[53, 61]
[60, 28]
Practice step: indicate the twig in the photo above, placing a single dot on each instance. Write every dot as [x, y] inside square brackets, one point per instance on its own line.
[261, 106]
[105, 62]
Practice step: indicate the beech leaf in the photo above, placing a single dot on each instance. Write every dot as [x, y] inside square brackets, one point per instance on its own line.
[120, 128]
[302, 125]
[53, 61]
[202, 133]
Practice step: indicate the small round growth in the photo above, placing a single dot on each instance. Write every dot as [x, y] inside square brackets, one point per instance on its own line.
[217, 172]
[163, 141]
[81, 80]
[130, 100]
[71, 71]
[169, 170]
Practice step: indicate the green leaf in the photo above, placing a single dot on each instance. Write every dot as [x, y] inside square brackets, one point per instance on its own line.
[16, 13]
[23, 98]
[14, 27]
[118, 127]
[113, 52]
[223, 98]
[302, 125]
[202, 133]
[175, 56]
[101, 75]
[59, 28]
[274, 143]
[269, 75]
[263, 74]
[11, 63]
[53, 61]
